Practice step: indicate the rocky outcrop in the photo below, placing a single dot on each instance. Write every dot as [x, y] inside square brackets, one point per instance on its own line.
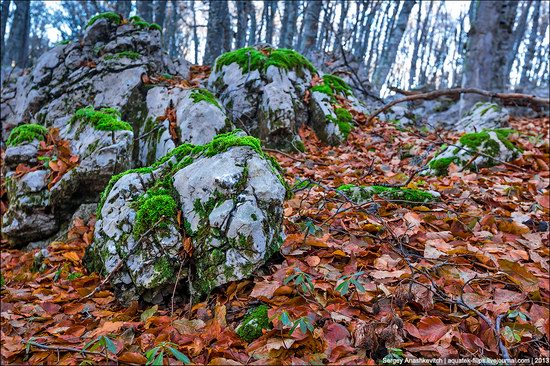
[483, 115]
[59, 174]
[474, 151]
[226, 197]
[271, 93]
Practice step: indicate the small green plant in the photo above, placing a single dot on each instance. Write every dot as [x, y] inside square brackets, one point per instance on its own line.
[513, 314]
[102, 342]
[512, 335]
[26, 133]
[155, 356]
[301, 279]
[304, 323]
[74, 275]
[393, 355]
[353, 279]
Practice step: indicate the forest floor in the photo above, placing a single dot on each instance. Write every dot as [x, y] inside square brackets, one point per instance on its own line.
[467, 276]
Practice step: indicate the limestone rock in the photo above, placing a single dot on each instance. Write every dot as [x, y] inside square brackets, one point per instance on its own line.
[483, 115]
[231, 202]
[267, 92]
[493, 144]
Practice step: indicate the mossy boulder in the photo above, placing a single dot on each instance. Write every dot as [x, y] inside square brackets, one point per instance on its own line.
[230, 197]
[266, 90]
[26, 133]
[483, 115]
[403, 196]
[476, 150]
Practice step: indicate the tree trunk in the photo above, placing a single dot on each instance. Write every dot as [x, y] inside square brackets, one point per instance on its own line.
[18, 42]
[389, 54]
[195, 33]
[412, 71]
[217, 31]
[529, 55]
[269, 11]
[4, 21]
[123, 8]
[160, 15]
[145, 10]
[242, 23]
[311, 26]
[344, 7]
[288, 26]
[519, 33]
[253, 24]
[488, 42]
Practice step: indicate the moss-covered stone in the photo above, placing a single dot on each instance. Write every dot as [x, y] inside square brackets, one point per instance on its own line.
[441, 166]
[26, 133]
[405, 195]
[250, 59]
[199, 95]
[253, 323]
[333, 85]
[344, 120]
[138, 22]
[109, 15]
[105, 119]
[132, 55]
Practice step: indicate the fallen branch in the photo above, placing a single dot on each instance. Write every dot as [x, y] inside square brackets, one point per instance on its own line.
[68, 349]
[529, 99]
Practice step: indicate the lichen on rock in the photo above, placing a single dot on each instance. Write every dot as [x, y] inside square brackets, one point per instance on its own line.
[476, 150]
[218, 187]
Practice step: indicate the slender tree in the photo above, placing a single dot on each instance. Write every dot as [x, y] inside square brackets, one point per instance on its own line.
[123, 7]
[145, 10]
[531, 47]
[218, 31]
[311, 26]
[19, 35]
[4, 21]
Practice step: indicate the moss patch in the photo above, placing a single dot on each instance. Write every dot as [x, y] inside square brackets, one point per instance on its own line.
[199, 95]
[125, 54]
[361, 193]
[249, 58]
[333, 85]
[441, 166]
[26, 133]
[109, 15]
[138, 22]
[253, 323]
[151, 208]
[105, 119]
[344, 120]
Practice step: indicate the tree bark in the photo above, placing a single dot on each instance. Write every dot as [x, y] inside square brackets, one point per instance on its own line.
[288, 27]
[160, 15]
[529, 55]
[488, 41]
[145, 10]
[195, 33]
[344, 7]
[269, 11]
[123, 8]
[389, 54]
[242, 23]
[311, 26]
[18, 42]
[4, 21]
[217, 31]
[253, 24]
[519, 33]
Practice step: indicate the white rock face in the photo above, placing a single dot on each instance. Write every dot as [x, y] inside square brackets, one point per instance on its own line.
[492, 148]
[231, 207]
[484, 116]
[196, 122]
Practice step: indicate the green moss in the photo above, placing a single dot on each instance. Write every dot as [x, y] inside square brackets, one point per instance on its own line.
[325, 89]
[26, 133]
[361, 193]
[253, 323]
[155, 26]
[441, 166]
[138, 22]
[163, 268]
[135, 18]
[151, 207]
[106, 119]
[482, 141]
[125, 54]
[336, 84]
[344, 121]
[249, 58]
[199, 95]
[111, 16]
[63, 42]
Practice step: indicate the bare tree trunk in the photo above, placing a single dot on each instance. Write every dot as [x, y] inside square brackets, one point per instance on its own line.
[217, 31]
[123, 8]
[529, 55]
[412, 71]
[326, 26]
[389, 54]
[344, 7]
[519, 33]
[18, 42]
[145, 10]
[160, 15]
[195, 33]
[311, 26]
[4, 21]
[271, 7]
[242, 23]
[488, 38]
[288, 25]
[252, 30]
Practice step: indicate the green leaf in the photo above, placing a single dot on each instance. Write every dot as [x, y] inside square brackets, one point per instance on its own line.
[90, 343]
[148, 313]
[303, 326]
[110, 345]
[180, 356]
[159, 360]
[285, 319]
[150, 355]
[296, 323]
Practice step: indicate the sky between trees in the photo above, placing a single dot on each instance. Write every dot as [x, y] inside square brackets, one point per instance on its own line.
[405, 44]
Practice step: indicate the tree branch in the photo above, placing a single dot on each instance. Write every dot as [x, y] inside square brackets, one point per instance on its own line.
[528, 99]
